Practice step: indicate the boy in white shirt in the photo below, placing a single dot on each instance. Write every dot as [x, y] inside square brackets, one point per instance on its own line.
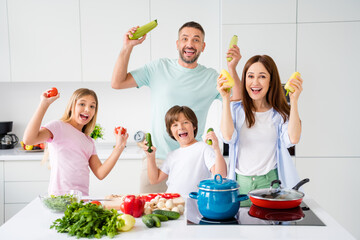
[194, 161]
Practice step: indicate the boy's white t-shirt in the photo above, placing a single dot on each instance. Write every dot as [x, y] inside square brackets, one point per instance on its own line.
[69, 151]
[257, 146]
[187, 166]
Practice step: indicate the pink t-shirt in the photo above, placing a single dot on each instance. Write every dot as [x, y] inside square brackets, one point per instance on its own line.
[70, 151]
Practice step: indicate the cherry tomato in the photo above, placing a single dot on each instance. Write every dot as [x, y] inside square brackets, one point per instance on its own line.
[122, 208]
[42, 145]
[96, 203]
[52, 92]
[123, 130]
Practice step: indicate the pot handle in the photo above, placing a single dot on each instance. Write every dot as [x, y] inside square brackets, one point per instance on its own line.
[194, 195]
[302, 182]
[218, 179]
[242, 197]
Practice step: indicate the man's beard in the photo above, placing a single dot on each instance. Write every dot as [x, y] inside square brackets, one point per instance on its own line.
[188, 61]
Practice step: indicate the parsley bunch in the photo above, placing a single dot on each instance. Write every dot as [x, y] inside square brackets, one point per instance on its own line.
[98, 132]
[89, 221]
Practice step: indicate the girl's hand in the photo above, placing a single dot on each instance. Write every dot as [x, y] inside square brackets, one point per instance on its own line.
[121, 139]
[131, 43]
[48, 100]
[223, 88]
[215, 142]
[296, 83]
[235, 54]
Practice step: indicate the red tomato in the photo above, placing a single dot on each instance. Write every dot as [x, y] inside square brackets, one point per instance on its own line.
[122, 208]
[96, 203]
[52, 92]
[42, 145]
[123, 130]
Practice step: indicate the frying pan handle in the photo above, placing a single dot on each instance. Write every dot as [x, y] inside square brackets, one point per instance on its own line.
[302, 182]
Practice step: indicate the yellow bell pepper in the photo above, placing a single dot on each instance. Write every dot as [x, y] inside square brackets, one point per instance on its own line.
[287, 86]
[230, 81]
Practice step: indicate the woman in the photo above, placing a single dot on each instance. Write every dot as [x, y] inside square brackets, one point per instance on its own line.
[258, 148]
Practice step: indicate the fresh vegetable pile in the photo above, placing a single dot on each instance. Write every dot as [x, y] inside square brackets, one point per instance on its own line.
[58, 203]
[158, 216]
[91, 220]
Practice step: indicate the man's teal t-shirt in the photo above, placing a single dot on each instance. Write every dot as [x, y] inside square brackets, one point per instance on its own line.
[171, 84]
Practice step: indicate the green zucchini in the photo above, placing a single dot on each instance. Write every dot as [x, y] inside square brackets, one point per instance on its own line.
[209, 141]
[149, 143]
[162, 218]
[148, 220]
[170, 214]
[157, 221]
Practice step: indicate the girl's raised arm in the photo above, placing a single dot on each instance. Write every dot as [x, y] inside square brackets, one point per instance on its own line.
[33, 134]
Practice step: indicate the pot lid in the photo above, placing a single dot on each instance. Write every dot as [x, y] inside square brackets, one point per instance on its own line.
[218, 183]
[279, 193]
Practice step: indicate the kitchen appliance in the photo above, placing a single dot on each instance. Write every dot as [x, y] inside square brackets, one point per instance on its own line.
[7, 140]
[278, 198]
[218, 198]
[300, 216]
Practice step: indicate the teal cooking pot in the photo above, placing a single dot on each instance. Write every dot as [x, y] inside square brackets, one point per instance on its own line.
[218, 198]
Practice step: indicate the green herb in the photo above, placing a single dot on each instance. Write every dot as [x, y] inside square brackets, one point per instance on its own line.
[98, 132]
[89, 220]
[59, 203]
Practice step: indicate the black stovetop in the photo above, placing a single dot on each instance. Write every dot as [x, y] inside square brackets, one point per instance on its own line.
[300, 216]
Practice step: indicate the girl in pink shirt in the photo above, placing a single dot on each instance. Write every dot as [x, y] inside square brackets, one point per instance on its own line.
[71, 149]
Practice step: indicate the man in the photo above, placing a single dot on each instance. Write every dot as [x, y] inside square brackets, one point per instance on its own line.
[179, 81]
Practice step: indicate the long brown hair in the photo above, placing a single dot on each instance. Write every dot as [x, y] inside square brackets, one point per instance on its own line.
[79, 93]
[275, 95]
[172, 115]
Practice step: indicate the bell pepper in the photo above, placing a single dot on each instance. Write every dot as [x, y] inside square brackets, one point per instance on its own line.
[288, 87]
[133, 205]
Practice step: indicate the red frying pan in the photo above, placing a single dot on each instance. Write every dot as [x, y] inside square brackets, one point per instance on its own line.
[278, 198]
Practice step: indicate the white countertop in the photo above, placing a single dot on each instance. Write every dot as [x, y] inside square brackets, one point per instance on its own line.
[34, 220]
[132, 151]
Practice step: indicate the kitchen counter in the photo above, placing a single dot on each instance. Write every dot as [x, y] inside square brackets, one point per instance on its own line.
[34, 220]
[132, 151]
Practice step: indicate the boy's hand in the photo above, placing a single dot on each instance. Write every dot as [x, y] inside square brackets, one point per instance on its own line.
[121, 140]
[215, 143]
[145, 148]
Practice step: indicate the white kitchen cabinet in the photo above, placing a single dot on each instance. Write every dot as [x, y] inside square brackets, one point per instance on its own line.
[124, 178]
[334, 186]
[103, 26]
[258, 11]
[2, 197]
[23, 181]
[276, 40]
[4, 44]
[172, 16]
[328, 11]
[328, 61]
[44, 40]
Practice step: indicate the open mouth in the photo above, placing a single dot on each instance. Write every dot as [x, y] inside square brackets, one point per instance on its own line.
[256, 90]
[182, 135]
[84, 117]
[189, 52]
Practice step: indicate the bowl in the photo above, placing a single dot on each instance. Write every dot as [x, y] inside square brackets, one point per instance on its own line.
[59, 203]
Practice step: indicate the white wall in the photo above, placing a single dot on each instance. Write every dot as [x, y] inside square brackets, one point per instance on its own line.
[318, 38]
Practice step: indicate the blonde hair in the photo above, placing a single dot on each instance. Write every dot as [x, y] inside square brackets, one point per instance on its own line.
[79, 93]
[88, 128]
